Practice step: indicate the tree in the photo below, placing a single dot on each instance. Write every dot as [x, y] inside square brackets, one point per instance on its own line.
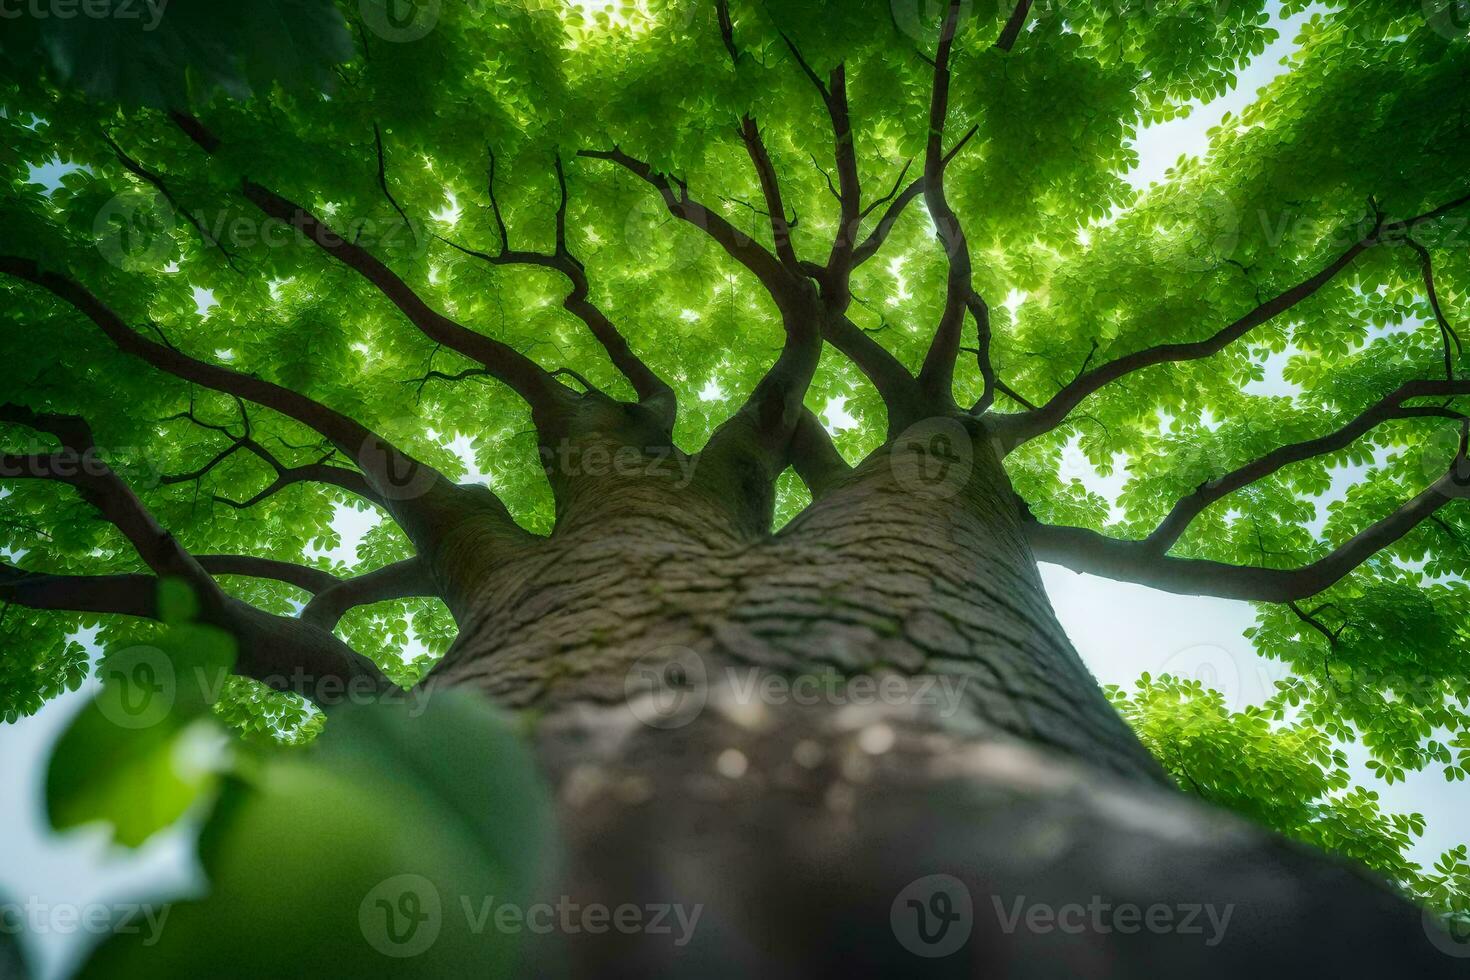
[622, 257]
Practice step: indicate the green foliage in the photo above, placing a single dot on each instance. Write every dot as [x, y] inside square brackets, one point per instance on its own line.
[1288, 775]
[1080, 269]
[126, 757]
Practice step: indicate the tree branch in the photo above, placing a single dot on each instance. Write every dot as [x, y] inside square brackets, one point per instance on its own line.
[508, 365]
[158, 183]
[319, 472]
[80, 465]
[1021, 428]
[765, 170]
[1389, 407]
[652, 390]
[1014, 25]
[518, 372]
[304, 577]
[120, 595]
[874, 242]
[739, 246]
[1088, 551]
[383, 180]
[402, 580]
[418, 497]
[1447, 333]
[848, 192]
[936, 377]
[814, 457]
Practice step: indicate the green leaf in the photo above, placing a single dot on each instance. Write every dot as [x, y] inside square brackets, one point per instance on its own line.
[138, 780]
[360, 855]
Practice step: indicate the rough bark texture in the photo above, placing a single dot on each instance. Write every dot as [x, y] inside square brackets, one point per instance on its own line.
[640, 635]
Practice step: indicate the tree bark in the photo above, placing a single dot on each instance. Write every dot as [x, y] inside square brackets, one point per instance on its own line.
[794, 733]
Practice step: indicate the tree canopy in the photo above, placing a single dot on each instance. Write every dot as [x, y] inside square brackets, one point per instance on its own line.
[296, 227]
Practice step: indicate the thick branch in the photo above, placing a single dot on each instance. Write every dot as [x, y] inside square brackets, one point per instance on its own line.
[1014, 25]
[304, 577]
[80, 465]
[936, 377]
[122, 595]
[1389, 407]
[382, 464]
[1020, 428]
[897, 387]
[1087, 551]
[739, 246]
[403, 580]
[814, 457]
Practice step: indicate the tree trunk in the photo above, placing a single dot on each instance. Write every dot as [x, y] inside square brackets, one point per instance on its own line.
[795, 734]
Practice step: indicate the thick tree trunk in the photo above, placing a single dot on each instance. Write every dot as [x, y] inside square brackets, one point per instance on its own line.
[794, 734]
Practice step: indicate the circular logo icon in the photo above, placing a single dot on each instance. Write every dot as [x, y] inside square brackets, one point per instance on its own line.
[400, 21]
[933, 458]
[1459, 482]
[134, 230]
[667, 688]
[392, 474]
[1448, 18]
[933, 916]
[1441, 452]
[401, 917]
[922, 20]
[139, 687]
[1449, 934]
[653, 232]
[1202, 233]
[1213, 666]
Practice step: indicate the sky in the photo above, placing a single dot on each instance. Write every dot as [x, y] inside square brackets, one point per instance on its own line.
[1120, 629]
